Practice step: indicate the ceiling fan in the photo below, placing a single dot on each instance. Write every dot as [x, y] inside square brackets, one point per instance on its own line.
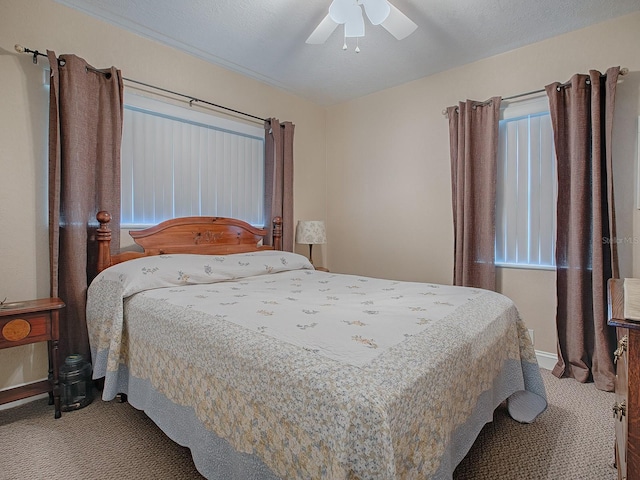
[349, 14]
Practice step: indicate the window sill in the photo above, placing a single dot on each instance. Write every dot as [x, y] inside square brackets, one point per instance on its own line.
[522, 266]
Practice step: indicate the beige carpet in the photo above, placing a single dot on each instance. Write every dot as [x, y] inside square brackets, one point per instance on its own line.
[572, 440]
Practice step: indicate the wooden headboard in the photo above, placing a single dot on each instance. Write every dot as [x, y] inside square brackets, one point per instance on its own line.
[201, 235]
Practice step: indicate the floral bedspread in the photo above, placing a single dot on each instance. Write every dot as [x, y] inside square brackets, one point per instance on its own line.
[320, 375]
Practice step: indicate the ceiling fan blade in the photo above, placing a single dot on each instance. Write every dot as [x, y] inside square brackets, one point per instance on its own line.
[398, 24]
[377, 10]
[323, 31]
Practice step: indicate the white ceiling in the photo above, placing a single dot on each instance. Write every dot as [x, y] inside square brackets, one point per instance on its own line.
[265, 39]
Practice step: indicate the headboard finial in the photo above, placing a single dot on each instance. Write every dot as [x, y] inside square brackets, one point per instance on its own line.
[277, 233]
[103, 237]
[103, 217]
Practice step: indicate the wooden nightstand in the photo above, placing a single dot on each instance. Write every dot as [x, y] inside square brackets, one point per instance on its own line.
[27, 322]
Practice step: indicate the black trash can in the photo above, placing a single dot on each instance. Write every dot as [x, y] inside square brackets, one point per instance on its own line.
[76, 387]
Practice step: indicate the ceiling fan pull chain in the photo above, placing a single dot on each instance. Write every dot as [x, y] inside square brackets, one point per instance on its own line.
[357, 45]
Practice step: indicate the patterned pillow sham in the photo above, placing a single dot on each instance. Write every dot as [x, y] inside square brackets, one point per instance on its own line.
[187, 269]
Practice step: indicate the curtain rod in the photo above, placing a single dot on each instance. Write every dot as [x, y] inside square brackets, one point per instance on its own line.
[36, 54]
[623, 71]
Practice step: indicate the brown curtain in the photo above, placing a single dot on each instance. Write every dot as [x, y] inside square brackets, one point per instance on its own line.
[85, 131]
[278, 178]
[473, 139]
[586, 256]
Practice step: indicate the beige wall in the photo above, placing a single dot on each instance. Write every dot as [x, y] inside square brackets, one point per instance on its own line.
[389, 196]
[42, 24]
[376, 168]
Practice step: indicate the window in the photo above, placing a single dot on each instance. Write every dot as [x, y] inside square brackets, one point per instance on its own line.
[526, 187]
[180, 162]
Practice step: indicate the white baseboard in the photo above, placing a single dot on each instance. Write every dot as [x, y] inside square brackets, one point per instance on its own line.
[24, 400]
[6, 406]
[546, 360]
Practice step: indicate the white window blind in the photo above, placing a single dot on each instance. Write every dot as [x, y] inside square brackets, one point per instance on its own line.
[526, 187]
[179, 162]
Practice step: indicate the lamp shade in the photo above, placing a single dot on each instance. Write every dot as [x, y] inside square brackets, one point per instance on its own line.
[311, 232]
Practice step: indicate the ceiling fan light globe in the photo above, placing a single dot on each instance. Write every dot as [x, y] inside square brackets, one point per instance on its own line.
[376, 10]
[339, 10]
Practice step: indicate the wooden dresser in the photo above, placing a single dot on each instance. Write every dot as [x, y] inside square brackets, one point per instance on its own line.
[626, 409]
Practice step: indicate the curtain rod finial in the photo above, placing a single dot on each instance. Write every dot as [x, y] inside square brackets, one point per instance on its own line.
[20, 49]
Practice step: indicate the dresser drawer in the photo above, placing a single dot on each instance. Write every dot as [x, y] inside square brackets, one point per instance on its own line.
[24, 329]
[626, 407]
[621, 402]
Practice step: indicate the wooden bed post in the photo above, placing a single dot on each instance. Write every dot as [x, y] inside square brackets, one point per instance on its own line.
[103, 237]
[277, 233]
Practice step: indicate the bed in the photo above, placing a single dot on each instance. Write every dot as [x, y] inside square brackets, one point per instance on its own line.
[266, 368]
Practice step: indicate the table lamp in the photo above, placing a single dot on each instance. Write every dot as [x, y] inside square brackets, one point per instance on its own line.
[311, 232]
